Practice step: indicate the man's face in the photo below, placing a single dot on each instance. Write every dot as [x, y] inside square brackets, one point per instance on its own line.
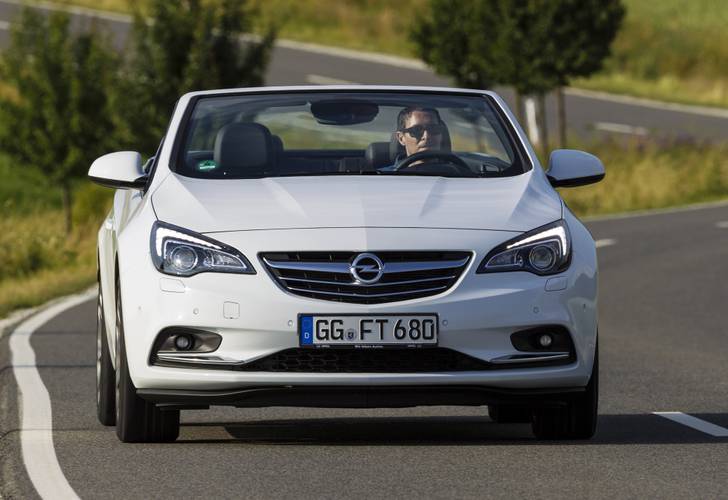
[424, 133]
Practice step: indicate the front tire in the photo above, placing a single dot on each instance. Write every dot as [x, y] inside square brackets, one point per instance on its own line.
[105, 376]
[137, 421]
[577, 420]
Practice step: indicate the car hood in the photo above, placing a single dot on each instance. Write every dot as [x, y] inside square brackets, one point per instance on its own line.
[515, 203]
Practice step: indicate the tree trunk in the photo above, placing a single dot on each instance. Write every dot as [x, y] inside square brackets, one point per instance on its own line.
[543, 126]
[519, 109]
[561, 103]
[67, 203]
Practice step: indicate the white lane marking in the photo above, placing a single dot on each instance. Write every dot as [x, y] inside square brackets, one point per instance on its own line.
[373, 57]
[4, 25]
[722, 224]
[36, 422]
[606, 242]
[648, 103]
[326, 80]
[693, 422]
[620, 128]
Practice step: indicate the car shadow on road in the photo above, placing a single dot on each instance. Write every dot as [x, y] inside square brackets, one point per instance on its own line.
[456, 430]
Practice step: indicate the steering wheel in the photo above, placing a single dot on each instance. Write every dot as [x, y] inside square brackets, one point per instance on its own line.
[447, 156]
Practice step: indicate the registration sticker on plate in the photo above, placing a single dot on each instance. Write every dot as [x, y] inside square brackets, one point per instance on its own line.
[380, 330]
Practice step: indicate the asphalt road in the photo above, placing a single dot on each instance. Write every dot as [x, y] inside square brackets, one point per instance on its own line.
[663, 347]
[588, 115]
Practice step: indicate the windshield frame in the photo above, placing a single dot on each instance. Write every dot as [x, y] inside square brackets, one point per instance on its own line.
[520, 150]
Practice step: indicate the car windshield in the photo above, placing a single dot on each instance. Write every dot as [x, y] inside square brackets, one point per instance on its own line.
[346, 133]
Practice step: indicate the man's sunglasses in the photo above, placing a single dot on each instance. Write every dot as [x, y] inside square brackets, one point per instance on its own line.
[417, 131]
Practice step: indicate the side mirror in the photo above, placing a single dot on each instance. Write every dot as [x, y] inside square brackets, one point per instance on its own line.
[120, 170]
[569, 168]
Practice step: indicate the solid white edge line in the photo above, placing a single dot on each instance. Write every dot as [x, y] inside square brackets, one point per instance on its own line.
[36, 422]
[693, 422]
[722, 224]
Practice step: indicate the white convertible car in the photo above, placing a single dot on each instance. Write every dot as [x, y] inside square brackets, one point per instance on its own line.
[345, 246]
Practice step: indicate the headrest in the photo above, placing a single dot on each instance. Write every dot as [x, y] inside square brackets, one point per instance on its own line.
[277, 144]
[244, 148]
[377, 155]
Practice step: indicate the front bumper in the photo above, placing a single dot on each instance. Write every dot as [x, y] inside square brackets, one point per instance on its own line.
[477, 315]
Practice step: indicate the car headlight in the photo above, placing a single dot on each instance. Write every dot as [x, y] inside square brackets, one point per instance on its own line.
[181, 252]
[545, 250]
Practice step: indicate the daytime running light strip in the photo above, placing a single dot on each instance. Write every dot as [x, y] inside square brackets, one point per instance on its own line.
[163, 232]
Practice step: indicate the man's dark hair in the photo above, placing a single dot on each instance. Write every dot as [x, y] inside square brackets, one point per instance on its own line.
[407, 112]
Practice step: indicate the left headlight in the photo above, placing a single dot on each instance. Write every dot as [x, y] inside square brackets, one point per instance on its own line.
[545, 250]
[181, 252]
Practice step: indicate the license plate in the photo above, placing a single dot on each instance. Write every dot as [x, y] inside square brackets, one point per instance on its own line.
[404, 330]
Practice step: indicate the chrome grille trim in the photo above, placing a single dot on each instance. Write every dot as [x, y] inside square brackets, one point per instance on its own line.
[339, 268]
[367, 295]
[344, 283]
[328, 275]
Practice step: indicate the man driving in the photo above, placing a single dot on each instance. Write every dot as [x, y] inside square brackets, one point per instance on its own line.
[419, 129]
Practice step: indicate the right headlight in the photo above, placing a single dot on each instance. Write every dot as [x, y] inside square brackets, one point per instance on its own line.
[545, 250]
[181, 252]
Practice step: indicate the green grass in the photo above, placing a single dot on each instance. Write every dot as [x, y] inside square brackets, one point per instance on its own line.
[643, 175]
[39, 260]
[672, 50]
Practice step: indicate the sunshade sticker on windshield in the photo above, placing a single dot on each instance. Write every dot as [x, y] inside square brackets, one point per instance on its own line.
[206, 166]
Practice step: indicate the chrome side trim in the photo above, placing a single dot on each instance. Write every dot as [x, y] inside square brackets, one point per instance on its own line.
[532, 357]
[195, 359]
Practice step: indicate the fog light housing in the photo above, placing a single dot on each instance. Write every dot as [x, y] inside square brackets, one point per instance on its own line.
[177, 339]
[545, 340]
[184, 342]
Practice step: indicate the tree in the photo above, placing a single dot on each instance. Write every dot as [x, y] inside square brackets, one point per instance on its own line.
[184, 46]
[534, 46]
[58, 117]
[580, 42]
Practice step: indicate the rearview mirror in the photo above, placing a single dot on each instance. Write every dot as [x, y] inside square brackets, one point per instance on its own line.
[569, 168]
[344, 111]
[120, 170]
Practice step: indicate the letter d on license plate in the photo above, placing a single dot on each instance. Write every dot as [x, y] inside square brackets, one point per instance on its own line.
[381, 330]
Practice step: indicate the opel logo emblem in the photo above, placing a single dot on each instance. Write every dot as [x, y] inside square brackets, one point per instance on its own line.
[366, 268]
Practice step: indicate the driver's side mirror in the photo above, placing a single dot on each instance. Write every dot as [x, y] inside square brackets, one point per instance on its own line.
[569, 168]
[120, 170]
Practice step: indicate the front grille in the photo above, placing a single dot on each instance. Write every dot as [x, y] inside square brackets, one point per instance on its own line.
[367, 361]
[327, 275]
